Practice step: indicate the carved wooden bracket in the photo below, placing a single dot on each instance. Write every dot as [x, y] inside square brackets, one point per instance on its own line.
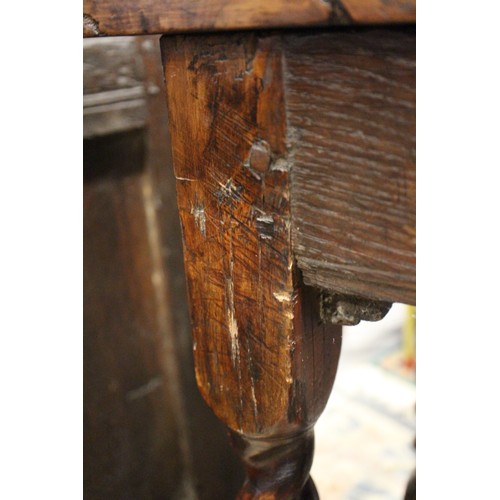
[350, 310]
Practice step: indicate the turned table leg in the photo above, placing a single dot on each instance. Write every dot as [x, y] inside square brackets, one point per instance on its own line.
[265, 361]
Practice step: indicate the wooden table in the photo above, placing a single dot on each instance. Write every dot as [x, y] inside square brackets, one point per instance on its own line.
[294, 157]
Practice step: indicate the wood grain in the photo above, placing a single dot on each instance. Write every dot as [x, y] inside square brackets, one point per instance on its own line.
[381, 11]
[351, 114]
[134, 17]
[148, 434]
[264, 361]
[214, 472]
[131, 445]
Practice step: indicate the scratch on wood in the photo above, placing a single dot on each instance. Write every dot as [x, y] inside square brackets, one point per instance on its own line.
[233, 325]
[284, 296]
[90, 26]
[228, 192]
[254, 400]
[185, 179]
[200, 219]
[280, 165]
[252, 382]
[144, 390]
[231, 318]
[265, 226]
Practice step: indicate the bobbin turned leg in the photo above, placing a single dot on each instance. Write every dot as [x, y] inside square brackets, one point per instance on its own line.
[265, 362]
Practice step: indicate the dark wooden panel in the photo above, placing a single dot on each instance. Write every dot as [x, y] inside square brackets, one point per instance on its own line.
[148, 434]
[351, 115]
[133, 17]
[131, 445]
[114, 96]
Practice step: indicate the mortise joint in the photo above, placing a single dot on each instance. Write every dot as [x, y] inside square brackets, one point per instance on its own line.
[349, 310]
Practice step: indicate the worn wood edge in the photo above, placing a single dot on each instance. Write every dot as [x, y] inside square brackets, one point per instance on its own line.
[380, 11]
[106, 18]
[337, 282]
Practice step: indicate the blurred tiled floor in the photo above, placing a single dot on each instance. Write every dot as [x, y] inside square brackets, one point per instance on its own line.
[364, 439]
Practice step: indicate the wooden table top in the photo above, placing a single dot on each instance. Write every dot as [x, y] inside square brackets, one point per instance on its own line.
[140, 17]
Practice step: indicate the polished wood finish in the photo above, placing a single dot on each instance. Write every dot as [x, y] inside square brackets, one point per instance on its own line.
[136, 17]
[264, 360]
[351, 114]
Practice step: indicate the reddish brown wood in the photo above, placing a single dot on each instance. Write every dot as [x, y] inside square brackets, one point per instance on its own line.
[133, 17]
[215, 472]
[381, 11]
[351, 115]
[264, 361]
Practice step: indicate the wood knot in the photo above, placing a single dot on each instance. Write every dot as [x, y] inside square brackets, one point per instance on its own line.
[350, 310]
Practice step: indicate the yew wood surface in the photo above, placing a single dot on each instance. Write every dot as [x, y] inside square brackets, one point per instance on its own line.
[264, 360]
[228, 133]
[135, 17]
